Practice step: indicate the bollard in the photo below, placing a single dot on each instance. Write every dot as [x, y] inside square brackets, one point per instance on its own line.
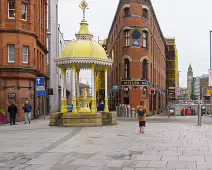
[199, 115]
[133, 112]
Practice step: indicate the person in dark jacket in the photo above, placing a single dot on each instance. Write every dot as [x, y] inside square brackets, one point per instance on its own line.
[101, 106]
[27, 110]
[12, 110]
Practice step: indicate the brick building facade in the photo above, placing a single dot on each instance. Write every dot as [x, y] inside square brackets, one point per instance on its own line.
[137, 46]
[22, 51]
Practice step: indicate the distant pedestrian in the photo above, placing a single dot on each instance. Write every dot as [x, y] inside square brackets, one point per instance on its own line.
[101, 106]
[12, 110]
[141, 111]
[27, 110]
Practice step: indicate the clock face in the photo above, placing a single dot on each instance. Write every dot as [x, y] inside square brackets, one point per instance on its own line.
[190, 77]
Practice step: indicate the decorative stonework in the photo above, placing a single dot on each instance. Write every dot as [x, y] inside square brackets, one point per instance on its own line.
[143, 58]
[126, 57]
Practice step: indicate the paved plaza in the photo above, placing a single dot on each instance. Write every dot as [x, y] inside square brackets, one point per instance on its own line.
[164, 145]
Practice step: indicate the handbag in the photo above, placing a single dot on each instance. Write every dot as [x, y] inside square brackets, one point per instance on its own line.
[141, 113]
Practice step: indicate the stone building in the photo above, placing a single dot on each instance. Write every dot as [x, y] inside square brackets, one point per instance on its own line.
[23, 51]
[190, 81]
[137, 46]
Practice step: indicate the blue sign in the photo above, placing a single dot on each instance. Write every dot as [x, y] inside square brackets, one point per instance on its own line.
[41, 93]
[40, 81]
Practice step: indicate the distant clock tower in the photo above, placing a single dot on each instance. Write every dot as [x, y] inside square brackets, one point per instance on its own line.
[189, 80]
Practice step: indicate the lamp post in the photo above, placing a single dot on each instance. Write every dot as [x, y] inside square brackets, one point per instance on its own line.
[210, 78]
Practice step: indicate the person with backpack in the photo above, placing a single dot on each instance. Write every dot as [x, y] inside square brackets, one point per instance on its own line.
[27, 110]
[141, 111]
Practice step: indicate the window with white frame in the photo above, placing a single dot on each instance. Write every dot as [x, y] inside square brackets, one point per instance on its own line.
[11, 9]
[24, 11]
[145, 39]
[127, 38]
[11, 53]
[25, 54]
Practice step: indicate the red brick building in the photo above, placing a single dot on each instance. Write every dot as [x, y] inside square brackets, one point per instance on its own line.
[22, 51]
[137, 46]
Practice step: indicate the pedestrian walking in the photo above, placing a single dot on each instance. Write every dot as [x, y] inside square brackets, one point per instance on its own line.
[12, 110]
[27, 110]
[141, 111]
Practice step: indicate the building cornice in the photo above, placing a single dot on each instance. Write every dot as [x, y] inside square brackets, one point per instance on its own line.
[27, 33]
[21, 70]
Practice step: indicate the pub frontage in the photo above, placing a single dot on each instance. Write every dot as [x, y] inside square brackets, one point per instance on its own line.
[129, 93]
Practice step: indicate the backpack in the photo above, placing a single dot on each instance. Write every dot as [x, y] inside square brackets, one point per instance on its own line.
[141, 113]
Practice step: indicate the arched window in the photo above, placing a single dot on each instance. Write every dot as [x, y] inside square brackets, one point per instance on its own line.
[145, 69]
[145, 13]
[126, 68]
[145, 39]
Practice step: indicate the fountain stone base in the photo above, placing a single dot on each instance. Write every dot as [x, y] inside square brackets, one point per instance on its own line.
[83, 119]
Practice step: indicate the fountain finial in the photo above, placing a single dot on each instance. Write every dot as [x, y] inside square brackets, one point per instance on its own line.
[84, 6]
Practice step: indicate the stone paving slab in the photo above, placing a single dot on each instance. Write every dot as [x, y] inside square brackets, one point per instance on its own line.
[163, 146]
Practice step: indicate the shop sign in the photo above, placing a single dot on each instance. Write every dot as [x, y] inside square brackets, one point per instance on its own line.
[11, 96]
[135, 83]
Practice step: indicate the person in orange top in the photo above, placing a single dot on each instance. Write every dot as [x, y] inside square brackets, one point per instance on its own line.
[141, 111]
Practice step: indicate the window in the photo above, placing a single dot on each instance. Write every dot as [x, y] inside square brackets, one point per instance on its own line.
[25, 54]
[127, 12]
[127, 38]
[127, 68]
[24, 11]
[11, 54]
[11, 9]
[145, 69]
[145, 13]
[145, 39]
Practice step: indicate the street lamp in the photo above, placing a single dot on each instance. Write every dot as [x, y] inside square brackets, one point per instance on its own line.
[210, 51]
[210, 72]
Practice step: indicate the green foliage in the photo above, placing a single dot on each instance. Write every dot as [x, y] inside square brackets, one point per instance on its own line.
[3, 111]
[193, 97]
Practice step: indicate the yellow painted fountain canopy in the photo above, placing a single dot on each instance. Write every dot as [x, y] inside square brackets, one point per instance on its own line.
[85, 49]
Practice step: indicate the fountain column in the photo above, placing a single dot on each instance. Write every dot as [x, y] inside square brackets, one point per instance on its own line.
[64, 108]
[93, 100]
[74, 89]
[106, 92]
[78, 89]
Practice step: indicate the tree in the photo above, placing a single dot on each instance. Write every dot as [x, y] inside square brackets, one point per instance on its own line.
[193, 97]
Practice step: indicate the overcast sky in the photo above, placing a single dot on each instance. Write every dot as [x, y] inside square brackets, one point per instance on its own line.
[189, 21]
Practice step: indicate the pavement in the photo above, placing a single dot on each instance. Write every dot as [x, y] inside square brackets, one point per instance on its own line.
[167, 144]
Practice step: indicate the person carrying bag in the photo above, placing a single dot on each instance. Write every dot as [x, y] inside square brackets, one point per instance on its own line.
[141, 112]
